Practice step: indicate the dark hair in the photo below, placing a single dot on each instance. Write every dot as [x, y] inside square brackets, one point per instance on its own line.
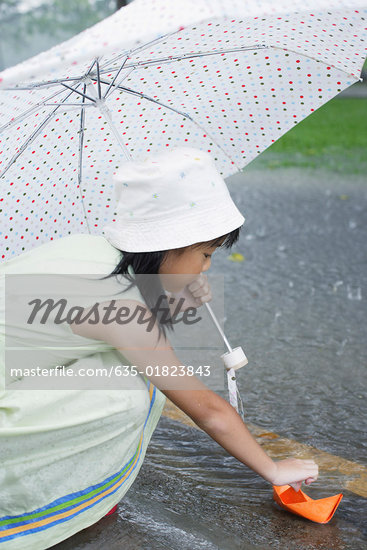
[144, 263]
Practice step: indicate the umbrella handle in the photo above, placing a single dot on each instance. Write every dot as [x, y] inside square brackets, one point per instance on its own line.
[233, 358]
[219, 328]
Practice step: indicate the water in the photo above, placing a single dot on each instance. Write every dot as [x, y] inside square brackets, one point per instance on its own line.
[302, 311]
[191, 494]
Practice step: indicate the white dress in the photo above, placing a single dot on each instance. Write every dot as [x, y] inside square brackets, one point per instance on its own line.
[68, 456]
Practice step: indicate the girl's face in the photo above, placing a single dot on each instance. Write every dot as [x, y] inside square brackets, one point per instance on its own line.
[177, 271]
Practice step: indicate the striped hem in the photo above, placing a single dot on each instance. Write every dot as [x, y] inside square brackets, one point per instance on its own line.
[65, 508]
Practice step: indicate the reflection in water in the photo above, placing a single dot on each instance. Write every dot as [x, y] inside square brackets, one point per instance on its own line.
[190, 494]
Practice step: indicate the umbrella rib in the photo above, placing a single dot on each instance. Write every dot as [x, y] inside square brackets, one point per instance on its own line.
[120, 81]
[91, 67]
[171, 59]
[98, 80]
[52, 82]
[80, 163]
[31, 138]
[105, 110]
[317, 60]
[205, 131]
[68, 104]
[30, 111]
[192, 55]
[140, 48]
[77, 92]
[42, 84]
[144, 96]
[116, 75]
[185, 115]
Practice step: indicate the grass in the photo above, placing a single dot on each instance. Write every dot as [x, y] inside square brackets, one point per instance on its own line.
[333, 138]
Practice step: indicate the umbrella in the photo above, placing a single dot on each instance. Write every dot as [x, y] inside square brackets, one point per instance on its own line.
[227, 77]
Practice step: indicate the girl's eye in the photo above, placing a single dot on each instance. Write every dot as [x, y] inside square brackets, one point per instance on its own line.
[207, 255]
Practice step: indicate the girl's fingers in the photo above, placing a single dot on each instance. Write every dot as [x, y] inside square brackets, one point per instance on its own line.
[311, 466]
[309, 480]
[202, 299]
[201, 292]
[306, 462]
[199, 282]
[295, 471]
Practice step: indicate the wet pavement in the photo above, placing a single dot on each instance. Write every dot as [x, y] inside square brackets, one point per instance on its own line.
[297, 305]
[190, 494]
[302, 311]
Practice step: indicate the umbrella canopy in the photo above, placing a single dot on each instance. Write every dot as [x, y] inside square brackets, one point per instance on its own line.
[227, 77]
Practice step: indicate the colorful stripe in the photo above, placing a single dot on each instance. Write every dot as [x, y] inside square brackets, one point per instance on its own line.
[69, 506]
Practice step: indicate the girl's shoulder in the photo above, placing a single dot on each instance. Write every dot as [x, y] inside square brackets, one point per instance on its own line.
[77, 240]
[77, 247]
[84, 240]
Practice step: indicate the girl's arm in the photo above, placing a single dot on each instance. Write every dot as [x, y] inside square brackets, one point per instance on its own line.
[207, 409]
[220, 420]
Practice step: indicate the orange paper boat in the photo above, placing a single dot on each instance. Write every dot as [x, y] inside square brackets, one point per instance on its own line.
[321, 510]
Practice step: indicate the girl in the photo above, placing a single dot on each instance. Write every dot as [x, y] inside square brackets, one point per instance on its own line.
[68, 456]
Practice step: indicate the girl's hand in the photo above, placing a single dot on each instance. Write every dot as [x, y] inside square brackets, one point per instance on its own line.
[293, 471]
[194, 294]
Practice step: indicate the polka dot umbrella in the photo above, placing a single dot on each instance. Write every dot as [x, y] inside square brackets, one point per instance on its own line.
[229, 77]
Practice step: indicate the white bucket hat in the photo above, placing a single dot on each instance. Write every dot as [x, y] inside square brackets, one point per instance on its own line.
[170, 200]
